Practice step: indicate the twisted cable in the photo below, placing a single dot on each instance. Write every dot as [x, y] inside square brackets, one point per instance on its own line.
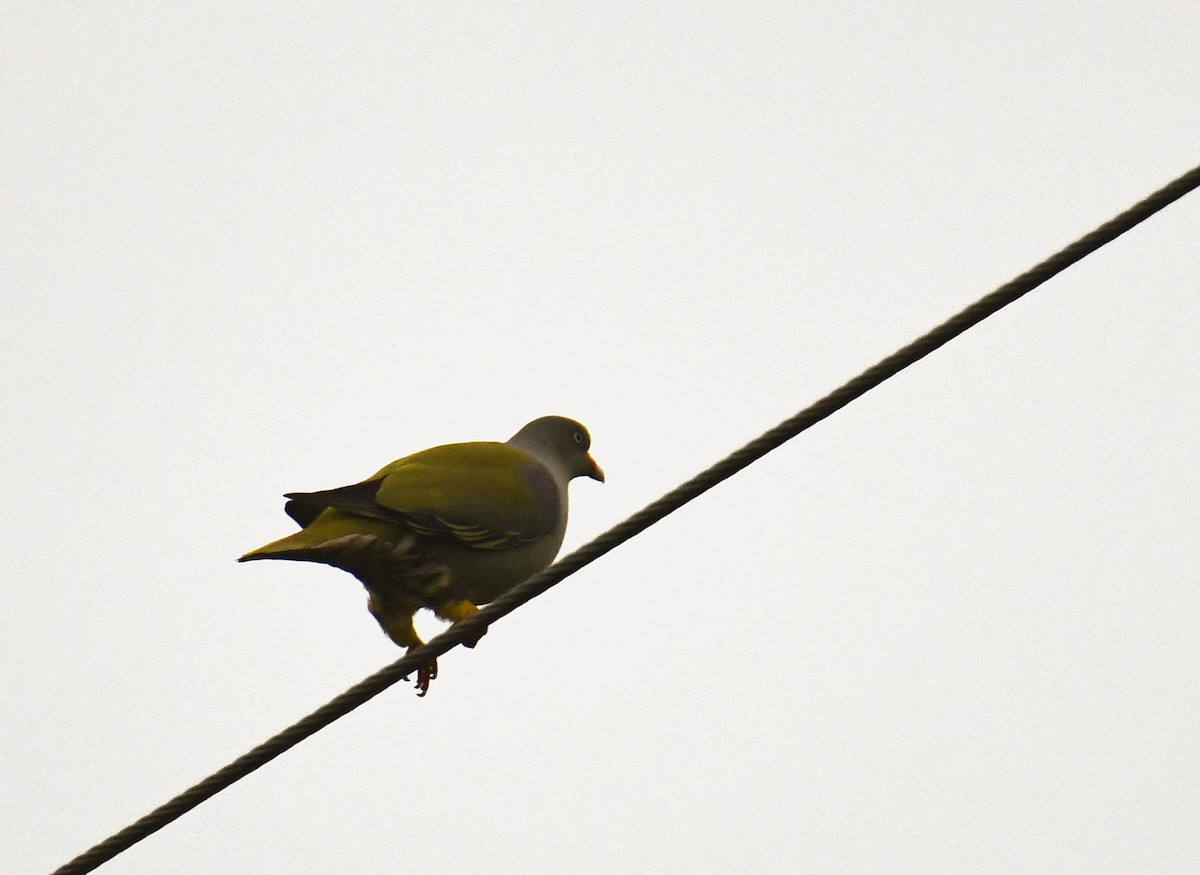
[469, 629]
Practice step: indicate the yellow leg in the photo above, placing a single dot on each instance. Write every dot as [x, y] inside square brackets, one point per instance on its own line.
[452, 612]
[396, 621]
[455, 611]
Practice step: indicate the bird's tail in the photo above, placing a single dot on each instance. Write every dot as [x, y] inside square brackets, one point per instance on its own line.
[328, 537]
[295, 546]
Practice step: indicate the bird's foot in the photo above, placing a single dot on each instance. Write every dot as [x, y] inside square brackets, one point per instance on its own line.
[425, 674]
[471, 642]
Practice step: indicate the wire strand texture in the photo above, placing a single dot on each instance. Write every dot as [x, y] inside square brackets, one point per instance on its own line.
[470, 628]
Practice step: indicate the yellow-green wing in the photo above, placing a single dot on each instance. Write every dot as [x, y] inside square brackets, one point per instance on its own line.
[487, 495]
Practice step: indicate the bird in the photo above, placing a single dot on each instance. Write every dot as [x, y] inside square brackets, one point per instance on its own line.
[448, 528]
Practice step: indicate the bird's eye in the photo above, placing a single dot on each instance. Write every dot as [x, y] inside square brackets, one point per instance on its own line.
[578, 437]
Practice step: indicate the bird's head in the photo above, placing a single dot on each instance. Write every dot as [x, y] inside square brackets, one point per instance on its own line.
[562, 443]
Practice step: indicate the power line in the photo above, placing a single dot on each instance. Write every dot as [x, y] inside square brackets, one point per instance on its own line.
[472, 627]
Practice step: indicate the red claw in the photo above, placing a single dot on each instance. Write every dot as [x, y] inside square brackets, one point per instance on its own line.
[425, 674]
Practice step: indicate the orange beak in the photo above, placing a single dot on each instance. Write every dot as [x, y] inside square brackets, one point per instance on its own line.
[594, 470]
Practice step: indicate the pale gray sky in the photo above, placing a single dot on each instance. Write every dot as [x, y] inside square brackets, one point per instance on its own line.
[253, 249]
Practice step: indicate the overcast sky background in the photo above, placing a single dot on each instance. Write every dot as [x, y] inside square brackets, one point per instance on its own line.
[249, 249]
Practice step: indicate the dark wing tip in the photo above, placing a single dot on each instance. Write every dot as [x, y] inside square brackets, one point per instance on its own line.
[358, 498]
[303, 512]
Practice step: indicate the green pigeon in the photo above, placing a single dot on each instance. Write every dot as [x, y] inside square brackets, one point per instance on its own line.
[448, 528]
